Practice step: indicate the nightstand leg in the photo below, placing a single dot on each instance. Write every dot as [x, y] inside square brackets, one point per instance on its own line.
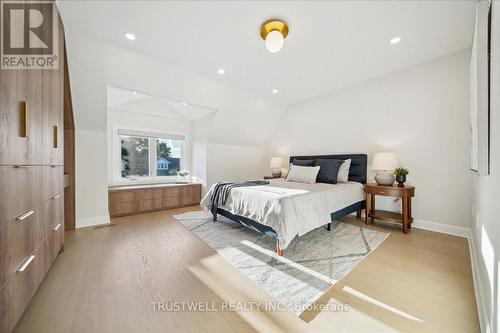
[405, 214]
[368, 208]
[409, 213]
[372, 207]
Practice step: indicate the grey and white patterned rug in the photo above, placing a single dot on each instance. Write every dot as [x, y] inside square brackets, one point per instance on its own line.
[311, 265]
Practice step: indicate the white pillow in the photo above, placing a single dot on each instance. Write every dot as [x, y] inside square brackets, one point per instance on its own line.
[302, 174]
[343, 175]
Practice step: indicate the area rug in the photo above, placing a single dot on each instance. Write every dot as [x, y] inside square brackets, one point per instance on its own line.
[311, 265]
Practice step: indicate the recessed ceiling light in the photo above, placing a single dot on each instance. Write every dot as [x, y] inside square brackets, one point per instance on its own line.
[275, 91]
[130, 36]
[134, 92]
[221, 71]
[395, 40]
[184, 103]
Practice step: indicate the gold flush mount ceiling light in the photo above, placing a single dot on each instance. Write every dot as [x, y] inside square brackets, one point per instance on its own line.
[273, 32]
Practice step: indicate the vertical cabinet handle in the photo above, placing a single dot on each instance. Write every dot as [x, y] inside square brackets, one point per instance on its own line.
[23, 119]
[54, 129]
[26, 263]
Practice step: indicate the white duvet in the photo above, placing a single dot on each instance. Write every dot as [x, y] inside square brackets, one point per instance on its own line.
[290, 208]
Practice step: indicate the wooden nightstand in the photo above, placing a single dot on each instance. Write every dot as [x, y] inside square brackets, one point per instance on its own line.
[405, 193]
[271, 177]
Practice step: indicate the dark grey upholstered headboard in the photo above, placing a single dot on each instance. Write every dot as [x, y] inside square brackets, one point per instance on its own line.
[357, 172]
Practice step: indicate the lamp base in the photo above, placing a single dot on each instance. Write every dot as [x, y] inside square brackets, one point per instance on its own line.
[276, 173]
[385, 178]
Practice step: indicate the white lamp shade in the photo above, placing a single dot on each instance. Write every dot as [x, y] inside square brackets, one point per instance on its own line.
[276, 162]
[385, 161]
[274, 41]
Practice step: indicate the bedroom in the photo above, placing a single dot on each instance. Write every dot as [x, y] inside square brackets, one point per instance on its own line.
[291, 120]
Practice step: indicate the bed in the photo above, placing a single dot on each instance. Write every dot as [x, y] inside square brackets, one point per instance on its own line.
[284, 210]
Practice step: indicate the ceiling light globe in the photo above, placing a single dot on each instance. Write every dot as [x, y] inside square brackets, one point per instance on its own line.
[274, 41]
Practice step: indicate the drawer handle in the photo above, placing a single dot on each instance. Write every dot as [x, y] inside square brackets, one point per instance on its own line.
[20, 166]
[56, 196]
[25, 215]
[57, 227]
[26, 263]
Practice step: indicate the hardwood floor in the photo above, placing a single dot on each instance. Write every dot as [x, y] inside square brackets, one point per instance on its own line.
[107, 278]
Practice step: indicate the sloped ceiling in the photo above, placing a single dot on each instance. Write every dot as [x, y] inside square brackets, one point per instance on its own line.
[136, 102]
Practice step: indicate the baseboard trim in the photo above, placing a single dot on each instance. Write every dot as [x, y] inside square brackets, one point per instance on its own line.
[92, 221]
[441, 228]
[436, 227]
[484, 320]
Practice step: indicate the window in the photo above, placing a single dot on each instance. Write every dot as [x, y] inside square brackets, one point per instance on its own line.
[147, 155]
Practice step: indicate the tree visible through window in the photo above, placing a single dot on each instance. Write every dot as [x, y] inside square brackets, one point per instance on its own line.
[168, 156]
[135, 156]
[144, 156]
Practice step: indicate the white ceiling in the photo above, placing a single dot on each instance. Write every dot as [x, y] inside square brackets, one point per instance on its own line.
[136, 102]
[331, 44]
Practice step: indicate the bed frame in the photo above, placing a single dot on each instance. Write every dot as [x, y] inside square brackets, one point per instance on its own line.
[357, 173]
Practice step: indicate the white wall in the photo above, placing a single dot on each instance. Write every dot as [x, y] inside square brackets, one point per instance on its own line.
[486, 200]
[142, 122]
[247, 162]
[91, 159]
[242, 119]
[420, 112]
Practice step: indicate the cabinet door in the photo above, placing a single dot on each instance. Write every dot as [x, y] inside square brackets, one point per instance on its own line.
[53, 111]
[20, 117]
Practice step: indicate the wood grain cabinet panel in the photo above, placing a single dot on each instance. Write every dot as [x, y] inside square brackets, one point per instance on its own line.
[18, 291]
[53, 213]
[129, 201]
[52, 106]
[122, 208]
[117, 197]
[31, 179]
[53, 181]
[147, 205]
[53, 246]
[20, 190]
[170, 197]
[18, 239]
[21, 125]
[147, 194]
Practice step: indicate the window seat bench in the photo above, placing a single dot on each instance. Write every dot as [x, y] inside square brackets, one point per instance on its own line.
[135, 199]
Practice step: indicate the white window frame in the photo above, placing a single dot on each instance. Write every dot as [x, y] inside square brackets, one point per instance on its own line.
[141, 132]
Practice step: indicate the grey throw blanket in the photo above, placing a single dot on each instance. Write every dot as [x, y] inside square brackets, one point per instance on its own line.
[221, 191]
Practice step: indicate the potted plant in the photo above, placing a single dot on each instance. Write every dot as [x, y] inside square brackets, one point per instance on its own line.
[401, 174]
[183, 173]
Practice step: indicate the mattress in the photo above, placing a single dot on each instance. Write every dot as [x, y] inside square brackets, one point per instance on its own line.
[290, 208]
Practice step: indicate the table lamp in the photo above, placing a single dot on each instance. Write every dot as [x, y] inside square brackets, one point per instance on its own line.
[385, 163]
[276, 164]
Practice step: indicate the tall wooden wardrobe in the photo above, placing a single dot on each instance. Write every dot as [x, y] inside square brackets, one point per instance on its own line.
[31, 182]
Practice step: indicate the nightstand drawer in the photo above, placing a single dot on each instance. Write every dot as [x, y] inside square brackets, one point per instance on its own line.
[389, 191]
